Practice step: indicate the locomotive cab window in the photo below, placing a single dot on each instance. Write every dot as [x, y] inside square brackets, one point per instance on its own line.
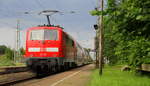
[50, 35]
[37, 35]
[44, 34]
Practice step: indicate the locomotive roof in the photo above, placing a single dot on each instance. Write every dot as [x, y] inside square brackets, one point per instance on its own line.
[46, 27]
[56, 28]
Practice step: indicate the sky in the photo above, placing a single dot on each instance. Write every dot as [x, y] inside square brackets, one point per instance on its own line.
[79, 24]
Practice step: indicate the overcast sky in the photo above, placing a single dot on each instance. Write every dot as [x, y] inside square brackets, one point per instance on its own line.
[79, 25]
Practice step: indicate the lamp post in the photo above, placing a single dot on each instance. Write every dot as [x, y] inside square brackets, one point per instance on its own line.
[100, 36]
[101, 39]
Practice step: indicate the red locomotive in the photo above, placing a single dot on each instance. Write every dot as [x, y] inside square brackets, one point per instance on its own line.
[49, 49]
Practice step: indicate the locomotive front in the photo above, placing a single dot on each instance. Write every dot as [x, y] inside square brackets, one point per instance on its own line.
[43, 48]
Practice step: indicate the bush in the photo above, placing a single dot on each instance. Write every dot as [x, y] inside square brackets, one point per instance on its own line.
[9, 53]
[2, 49]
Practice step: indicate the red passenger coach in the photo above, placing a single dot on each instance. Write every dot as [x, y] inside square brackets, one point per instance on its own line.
[49, 49]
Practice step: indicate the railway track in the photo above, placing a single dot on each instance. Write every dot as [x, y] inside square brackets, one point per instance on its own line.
[19, 75]
[14, 74]
[8, 70]
[65, 78]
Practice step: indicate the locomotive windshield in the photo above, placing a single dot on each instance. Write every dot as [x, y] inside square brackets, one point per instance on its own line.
[44, 34]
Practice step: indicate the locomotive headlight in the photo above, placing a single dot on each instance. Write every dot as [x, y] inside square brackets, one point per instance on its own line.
[34, 49]
[52, 49]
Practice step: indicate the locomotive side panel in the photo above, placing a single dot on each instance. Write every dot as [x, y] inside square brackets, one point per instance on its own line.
[69, 51]
[69, 48]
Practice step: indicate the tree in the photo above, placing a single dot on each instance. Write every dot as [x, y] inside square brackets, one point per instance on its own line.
[22, 51]
[2, 49]
[127, 38]
[9, 53]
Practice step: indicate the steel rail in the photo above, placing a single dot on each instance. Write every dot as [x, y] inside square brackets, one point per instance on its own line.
[8, 70]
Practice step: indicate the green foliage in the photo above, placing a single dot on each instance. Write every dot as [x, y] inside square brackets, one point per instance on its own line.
[127, 33]
[7, 57]
[9, 53]
[2, 49]
[140, 49]
[4, 61]
[22, 51]
[109, 44]
[6, 51]
[94, 12]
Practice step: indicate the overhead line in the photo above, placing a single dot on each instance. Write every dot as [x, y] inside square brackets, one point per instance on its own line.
[4, 23]
[39, 4]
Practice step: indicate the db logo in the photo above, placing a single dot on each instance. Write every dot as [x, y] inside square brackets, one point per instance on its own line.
[42, 49]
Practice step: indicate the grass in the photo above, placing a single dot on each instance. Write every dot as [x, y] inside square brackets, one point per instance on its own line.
[113, 76]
